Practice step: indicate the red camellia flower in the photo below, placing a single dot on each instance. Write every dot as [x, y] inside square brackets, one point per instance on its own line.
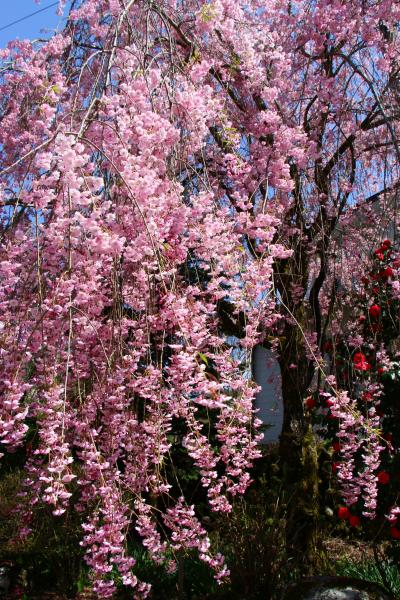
[360, 362]
[395, 533]
[383, 477]
[336, 446]
[386, 273]
[379, 254]
[386, 244]
[367, 397]
[343, 512]
[355, 521]
[310, 402]
[375, 311]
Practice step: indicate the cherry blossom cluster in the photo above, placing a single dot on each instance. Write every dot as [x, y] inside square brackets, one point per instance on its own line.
[113, 270]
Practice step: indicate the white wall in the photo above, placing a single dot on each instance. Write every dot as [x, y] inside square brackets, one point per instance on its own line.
[267, 373]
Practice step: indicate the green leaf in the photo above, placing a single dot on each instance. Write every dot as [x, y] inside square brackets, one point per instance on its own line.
[203, 358]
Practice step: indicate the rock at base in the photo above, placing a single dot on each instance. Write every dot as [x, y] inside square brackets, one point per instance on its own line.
[335, 588]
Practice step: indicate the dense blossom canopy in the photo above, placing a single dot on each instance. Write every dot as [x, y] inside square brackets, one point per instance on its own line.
[177, 178]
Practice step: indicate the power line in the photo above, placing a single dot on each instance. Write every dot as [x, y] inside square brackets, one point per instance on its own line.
[29, 16]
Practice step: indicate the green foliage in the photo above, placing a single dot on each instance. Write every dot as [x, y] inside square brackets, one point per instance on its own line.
[51, 556]
[193, 579]
[252, 537]
[370, 571]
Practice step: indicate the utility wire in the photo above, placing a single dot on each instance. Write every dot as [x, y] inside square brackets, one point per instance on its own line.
[28, 16]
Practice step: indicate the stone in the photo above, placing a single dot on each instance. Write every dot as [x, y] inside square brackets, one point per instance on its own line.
[4, 582]
[335, 588]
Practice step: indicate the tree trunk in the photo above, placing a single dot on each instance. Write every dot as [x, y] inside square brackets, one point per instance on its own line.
[299, 457]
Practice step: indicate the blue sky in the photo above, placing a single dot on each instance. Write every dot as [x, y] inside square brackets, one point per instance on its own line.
[12, 10]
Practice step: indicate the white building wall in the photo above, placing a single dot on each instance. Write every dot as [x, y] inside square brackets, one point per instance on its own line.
[267, 373]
